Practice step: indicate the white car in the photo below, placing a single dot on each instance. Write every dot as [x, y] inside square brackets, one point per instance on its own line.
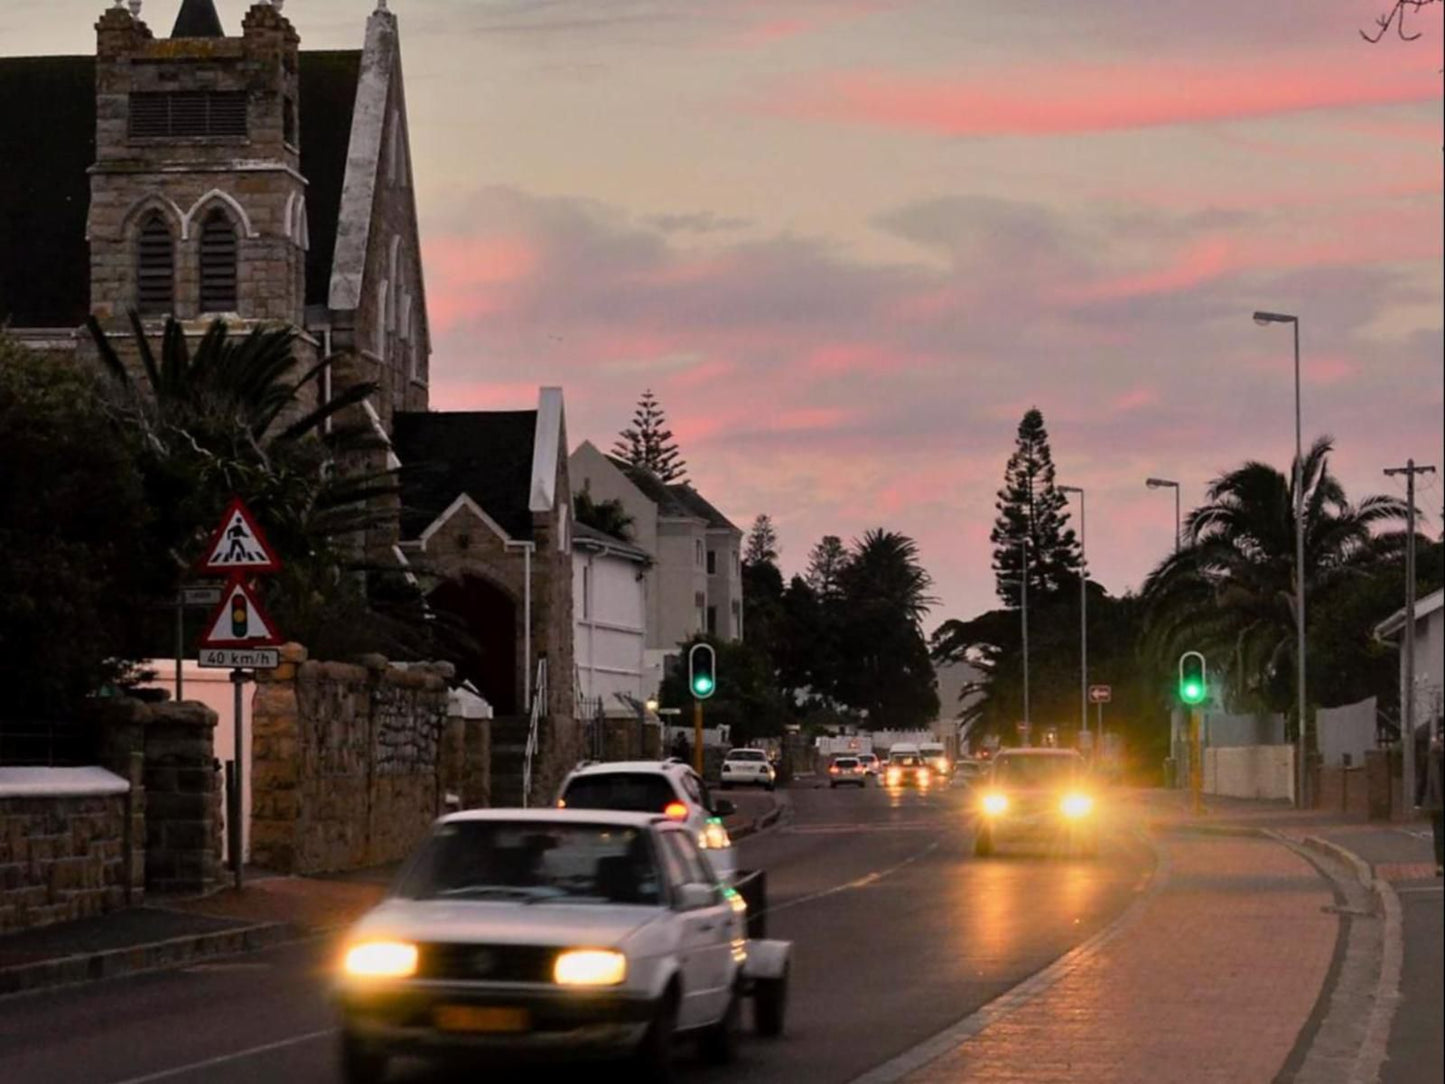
[748, 768]
[669, 787]
[561, 933]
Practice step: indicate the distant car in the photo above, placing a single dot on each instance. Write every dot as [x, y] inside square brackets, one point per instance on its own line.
[970, 771]
[847, 770]
[871, 764]
[568, 934]
[937, 758]
[668, 787]
[1037, 793]
[906, 770]
[748, 768]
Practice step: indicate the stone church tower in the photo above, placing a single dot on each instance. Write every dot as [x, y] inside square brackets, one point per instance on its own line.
[198, 202]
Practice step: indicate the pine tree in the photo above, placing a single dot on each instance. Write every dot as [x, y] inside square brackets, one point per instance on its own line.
[825, 566]
[762, 544]
[648, 443]
[1031, 507]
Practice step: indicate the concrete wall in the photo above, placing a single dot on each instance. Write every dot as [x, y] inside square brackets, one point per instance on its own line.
[1346, 731]
[66, 839]
[1251, 771]
[681, 578]
[348, 762]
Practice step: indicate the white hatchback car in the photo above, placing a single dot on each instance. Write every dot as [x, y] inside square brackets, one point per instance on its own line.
[556, 933]
[748, 768]
[669, 787]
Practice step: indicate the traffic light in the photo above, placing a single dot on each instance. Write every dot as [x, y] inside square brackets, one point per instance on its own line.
[240, 619]
[702, 671]
[1193, 678]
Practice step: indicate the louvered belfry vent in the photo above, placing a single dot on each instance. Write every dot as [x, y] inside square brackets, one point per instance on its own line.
[218, 264]
[155, 266]
[177, 114]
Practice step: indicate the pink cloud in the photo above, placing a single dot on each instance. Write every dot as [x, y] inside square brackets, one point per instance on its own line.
[1136, 399]
[1097, 98]
[470, 276]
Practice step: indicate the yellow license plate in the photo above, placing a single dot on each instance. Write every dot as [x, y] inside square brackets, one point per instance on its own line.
[481, 1018]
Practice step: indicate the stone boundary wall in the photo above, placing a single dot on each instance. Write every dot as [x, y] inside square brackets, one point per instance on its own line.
[1250, 771]
[347, 761]
[66, 855]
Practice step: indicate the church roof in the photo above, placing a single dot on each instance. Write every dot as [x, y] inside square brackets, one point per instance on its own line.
[486, 455]
[45, 190]
[197, 19]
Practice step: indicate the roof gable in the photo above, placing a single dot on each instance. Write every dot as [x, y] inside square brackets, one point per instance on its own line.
[197, 19]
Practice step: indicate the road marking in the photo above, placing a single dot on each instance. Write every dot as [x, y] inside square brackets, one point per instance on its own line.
[839, 828]
[1423, 890]
[209, 1063]
[861, 882]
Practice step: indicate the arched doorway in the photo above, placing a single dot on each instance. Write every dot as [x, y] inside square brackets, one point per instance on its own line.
[486, 652]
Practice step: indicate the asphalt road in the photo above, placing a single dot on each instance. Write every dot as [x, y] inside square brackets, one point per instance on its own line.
[899, 932]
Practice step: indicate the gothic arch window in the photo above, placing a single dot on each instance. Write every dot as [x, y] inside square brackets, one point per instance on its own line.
[218, 263]
[155, 265]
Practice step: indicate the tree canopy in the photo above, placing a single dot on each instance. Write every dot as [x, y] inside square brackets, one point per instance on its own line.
[648, 442]
[1031, 511]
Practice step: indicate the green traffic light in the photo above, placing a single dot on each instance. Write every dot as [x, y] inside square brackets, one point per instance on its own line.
[1192, 692]
[702, 684]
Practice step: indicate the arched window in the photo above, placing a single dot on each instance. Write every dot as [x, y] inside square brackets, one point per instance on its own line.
[218, 263]
[155, 266]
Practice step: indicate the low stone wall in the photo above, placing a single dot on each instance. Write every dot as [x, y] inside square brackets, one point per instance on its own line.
[347, 761]
[1343, 790]
[67, 854]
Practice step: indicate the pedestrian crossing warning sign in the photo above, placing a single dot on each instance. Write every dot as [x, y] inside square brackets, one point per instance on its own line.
[238, 544]
[239, 621]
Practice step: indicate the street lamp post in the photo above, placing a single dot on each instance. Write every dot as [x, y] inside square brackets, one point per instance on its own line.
[1024, 596]
[1263, 319]
[1084, 627]
[1165, 483]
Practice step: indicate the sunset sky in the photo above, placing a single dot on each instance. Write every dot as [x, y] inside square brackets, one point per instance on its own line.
[850, 242]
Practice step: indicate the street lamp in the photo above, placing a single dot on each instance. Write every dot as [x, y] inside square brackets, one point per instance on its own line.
[1084, 626]
[1263, 319]
[1165, 483]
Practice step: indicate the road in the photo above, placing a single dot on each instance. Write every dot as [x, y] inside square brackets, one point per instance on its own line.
[899, 932]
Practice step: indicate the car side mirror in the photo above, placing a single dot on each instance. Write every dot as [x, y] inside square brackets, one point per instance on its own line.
[724, 807]
[690, 897]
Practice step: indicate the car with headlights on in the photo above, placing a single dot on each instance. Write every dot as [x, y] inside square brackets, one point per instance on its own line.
[906, 770]
[1037, 793]
[871, 764]
[516, 934]
[937, 758]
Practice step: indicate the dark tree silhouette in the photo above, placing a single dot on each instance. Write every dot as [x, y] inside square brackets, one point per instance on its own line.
[648, 443]
[1030, 507]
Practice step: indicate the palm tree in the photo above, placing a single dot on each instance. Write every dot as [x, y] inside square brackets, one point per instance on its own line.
[233, 417]
[1230, 591]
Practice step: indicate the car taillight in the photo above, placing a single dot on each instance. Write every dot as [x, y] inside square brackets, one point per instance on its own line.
[676, 810]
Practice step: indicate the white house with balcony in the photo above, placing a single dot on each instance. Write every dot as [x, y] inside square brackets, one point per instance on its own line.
[1429, 689]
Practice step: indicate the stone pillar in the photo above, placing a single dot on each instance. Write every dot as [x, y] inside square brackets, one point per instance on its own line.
[276, 764]
[182, 799]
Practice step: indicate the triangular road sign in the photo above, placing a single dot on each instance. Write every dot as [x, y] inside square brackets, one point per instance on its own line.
[239, 620]
[238, 544]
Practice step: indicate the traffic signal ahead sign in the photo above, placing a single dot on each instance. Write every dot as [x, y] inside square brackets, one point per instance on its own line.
[702, 671]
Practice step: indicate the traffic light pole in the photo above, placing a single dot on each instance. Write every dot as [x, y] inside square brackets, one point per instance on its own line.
[1196, 762]
[697, 736]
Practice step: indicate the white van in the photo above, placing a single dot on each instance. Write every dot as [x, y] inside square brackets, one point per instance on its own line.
[904, 749]
[936, 757]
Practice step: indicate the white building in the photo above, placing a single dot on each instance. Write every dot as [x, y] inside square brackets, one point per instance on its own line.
[609, 592]
[1429, 654]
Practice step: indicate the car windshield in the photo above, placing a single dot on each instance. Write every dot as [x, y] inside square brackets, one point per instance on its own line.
[532, 862]
[846, 763]
[1042, 771]
[747, 754]
[626, 792]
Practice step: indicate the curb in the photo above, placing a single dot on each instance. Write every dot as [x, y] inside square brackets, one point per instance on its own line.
[154, 956]
[1374, 1047]
[767, 820]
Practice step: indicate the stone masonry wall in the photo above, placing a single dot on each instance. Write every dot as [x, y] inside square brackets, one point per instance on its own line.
[346, 761]
[61, 858]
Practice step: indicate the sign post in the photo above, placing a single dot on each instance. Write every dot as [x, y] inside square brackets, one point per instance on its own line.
[1099, 695]
[239, 636]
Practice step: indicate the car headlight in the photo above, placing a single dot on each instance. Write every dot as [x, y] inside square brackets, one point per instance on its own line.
[923, 776]
[994, 804]
[714, 837]
[894, 775]
[590, 967]
[380, 960]
[1075, 806]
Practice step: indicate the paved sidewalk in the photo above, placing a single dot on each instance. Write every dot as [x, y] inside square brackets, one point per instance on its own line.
[1212, 980]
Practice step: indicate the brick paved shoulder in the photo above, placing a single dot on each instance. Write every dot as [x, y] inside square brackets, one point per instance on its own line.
[1212, 983]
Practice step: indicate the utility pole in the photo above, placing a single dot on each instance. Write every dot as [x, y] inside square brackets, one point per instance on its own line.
[1083, 623]
[1024, 596]
[1407, 693]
